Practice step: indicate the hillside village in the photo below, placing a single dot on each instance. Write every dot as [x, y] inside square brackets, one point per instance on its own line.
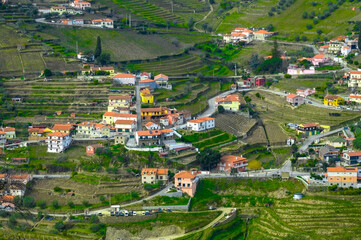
[179, 120]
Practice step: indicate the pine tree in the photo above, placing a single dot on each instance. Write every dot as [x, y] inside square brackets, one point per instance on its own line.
[359, 39]
[98, 48]
[275, 52]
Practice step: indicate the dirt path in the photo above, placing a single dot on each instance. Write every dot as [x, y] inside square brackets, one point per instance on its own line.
[175, 236]
[203, 19]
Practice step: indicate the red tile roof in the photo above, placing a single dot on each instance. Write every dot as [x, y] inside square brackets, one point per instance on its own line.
[200, 120]
[231, 158]
[114, 114]
[120, 97]
[229, 98]
[125, 122]
[354, 154]
[185, 174]
[161, 76]
[341, 169]
[291, 95]
[124, 75]
[158, 171]
[63, 127]
[58, 134]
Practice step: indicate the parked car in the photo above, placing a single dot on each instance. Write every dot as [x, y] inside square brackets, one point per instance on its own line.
[309, 102]
[100, 214]
[212, 208]
[112, 213]
[134, 213]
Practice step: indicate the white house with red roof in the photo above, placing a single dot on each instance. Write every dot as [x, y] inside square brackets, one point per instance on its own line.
[80, 5]
[153, 137]
[145, 75]
[103, 23]
[201, 124]
[354, 98]
[152, 126]
[9, 131]
[354, 79]
[345, 50]
[304, 92]
[58, 142]
[262, 35]
[128, 126]
[352, 158]
[239, 35]
[119, 101]
[229, 161]
[295, 100]
[2, 138]
[124, 78]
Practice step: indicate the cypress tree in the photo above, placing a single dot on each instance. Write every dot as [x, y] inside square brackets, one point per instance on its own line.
[98, 48]
[359, 39]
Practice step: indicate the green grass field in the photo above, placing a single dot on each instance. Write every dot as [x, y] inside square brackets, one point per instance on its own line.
[255, 15]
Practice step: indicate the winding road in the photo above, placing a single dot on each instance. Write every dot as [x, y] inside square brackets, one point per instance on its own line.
[203, 19]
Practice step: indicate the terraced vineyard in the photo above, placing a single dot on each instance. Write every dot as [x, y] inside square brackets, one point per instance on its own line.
[208, 139]
[149, 11]
[311, 218]
[180, 65]
[235, 124]
[39, 97]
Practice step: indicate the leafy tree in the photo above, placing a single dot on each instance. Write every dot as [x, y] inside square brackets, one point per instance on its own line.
[208, 158]
[309, 26]
[58, 189]
[304, 15]
[104, 59]
[98, 48]
[59, 226]
[297, 38]
[234, 171]
[85, 203]
[254, 62]
[71, 204]
[357, 143]
[319, 31]
[190, 24]
[220, 109]
[304, 38]
[94, 219]
[95, 228]
[18, 201]
[269, 27]
[55, 204]
[204, 26]
[275, 51]
[294, 148]
[271, 65]
[287, 75]
[359, 39]
[102, 198]
[47, 72]
[29, 202]
[41, 204]
[315, 21]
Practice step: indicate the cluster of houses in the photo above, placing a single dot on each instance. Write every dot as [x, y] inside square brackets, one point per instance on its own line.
[299, 98]
[12, 186]
[187, 181]
[340, 45]
[6, 133]
[246, 35]
[102, 23]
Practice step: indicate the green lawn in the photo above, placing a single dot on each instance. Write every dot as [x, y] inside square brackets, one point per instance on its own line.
[209, 138]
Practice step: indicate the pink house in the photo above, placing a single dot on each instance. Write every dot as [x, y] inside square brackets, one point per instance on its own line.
[304, 92]
[294, 99]
[187, 182]
[319, 59]
[294, 70]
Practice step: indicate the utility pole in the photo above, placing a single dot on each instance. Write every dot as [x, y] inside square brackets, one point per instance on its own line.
[235, 69]
[130, 20]
[172, 6]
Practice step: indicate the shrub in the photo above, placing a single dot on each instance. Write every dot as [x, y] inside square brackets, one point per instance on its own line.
[95, 228]
[29, 202]
[55, 204]
[42, 204]
[315, 21]
[304, 38]
[71, 204]
[58, 189]
[309, 26]
[59, 226]
[287, 75]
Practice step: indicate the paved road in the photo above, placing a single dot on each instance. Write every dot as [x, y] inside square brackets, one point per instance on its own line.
[313, 138]
[212, 104]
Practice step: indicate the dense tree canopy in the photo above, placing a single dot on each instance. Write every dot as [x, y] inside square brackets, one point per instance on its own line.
[208, 158]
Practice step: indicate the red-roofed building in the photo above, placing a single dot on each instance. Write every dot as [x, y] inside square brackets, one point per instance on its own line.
[187, 182]
[153, 137]
[230, 102]
[152, 126]
[80, 5]
[228, 162]
[201, 124]
[23, 179]
[103, 23]
[2, 138]
[254, 82]
[295, 100]
[112, 117]
[319, 59]
[262, 35]
[148, 83]
[345, 50]
[145, 75]
[127, 126]
[305, 92]
[63, 128]
[354, 79]
[9, 132]
[352, 158]
[153, 175]
[124, 78]
[58, 142]
[90, 150]
[355, 98]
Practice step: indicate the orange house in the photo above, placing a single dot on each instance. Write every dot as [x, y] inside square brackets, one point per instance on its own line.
[186, 181]
[90, 150]
[228, 162]
[342, 176]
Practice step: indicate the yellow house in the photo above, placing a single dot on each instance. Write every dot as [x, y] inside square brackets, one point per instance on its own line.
[112, 117]
[59, 10]
[153, 113]
[333, 100]
[119, 101]
[146, 96]
[230, 102]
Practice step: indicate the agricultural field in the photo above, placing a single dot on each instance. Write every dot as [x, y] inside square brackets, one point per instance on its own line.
[11, 38]
[255, 15]
[32, 62]
[276, 109]
[122, 45]
[207, 139]
[257, 136]
[275, 133]
[235, 124]
[235, 192]
[177, 65]
[291, 85]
